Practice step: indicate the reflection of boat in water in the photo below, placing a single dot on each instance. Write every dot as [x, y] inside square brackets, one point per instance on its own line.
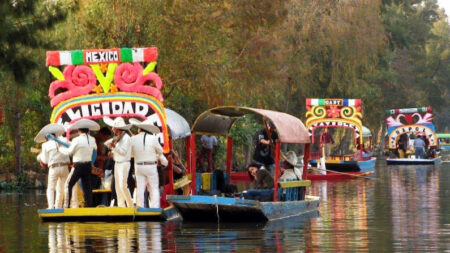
[289, 201]
[416, 208]
[411, 121]
[338, 114]
[109, 237]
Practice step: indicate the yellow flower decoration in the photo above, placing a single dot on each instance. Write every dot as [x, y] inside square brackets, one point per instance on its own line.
[103, 67]
[114, 88]
[97, 89]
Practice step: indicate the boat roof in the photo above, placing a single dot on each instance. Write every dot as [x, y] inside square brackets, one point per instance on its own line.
[366, 131]
[178, 126]
[219, 120]
[443, 135]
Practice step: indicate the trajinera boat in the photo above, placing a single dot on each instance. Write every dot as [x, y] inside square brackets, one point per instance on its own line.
[111, 82]
[326, 114]
[444, 141]
[403, 126]
[289, 198]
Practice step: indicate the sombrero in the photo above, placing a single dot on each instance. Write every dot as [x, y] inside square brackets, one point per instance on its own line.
[290, 157]
[145, 125]
[85, 123]
[52, 128]
[118, 123]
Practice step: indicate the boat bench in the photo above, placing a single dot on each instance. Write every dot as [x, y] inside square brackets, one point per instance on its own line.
[292, 190]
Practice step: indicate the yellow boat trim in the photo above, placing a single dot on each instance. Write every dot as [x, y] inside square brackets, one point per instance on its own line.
[99, 211]
[298, 183]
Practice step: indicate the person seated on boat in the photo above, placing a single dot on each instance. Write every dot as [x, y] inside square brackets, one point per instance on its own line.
[359, 154]
[264, 146]
[419, 146]
[290, 169]
[402, 145]
[263, 183]
[325, 140]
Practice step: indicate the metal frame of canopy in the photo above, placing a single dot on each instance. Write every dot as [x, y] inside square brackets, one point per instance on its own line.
[219, 120]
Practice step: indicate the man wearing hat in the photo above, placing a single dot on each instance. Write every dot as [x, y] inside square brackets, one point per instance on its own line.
[146, 150]
[55, 161]
[120, 147]
[81, 149]
[290, 168]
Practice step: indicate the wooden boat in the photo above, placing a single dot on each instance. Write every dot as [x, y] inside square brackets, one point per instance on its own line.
[113, 214]
[402, 123]
[444, 141]
[218, 121]
[339, 113]
[100, 90]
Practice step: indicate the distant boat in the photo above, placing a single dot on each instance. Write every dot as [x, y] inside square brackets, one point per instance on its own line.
[444, 140]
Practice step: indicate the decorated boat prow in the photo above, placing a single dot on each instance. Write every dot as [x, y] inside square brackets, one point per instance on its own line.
[406, 125]
[323, 114]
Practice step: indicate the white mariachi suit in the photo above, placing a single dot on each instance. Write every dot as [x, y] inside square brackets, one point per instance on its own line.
[57, 172]
[122, 156]
[146, 149]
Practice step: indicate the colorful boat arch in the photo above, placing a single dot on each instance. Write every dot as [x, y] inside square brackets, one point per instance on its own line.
[410, 120]
[107, 82]
[331, 112]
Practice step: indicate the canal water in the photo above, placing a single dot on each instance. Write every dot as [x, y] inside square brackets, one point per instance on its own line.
[404, 209]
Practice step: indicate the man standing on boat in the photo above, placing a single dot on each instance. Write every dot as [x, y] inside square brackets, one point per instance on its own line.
[264, 146]
[208, 143]
[146, 150]
[419, 145]
[81, 149]
[120, 147]
[55, 161]
[325, 140]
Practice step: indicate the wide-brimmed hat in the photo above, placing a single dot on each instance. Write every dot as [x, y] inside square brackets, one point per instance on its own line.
[52, 128]
[290, 157]
[85, 123]
[118, 123]
[145, 125]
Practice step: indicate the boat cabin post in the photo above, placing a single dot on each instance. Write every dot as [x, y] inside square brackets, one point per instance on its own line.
[170, 167]
[188, 154]
[277, 170]
[193, 165]
[305, 161]
[229, 153]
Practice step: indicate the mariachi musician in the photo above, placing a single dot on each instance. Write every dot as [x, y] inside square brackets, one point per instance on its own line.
[120, 147]
[82, 149]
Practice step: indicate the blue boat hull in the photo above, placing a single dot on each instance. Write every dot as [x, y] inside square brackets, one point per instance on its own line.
[410, 161]
[349, 166]
[211, 208]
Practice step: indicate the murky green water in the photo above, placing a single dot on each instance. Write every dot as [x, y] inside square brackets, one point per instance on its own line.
[405, 209]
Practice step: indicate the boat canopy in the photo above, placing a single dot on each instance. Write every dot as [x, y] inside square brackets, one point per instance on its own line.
[443, 135]
[219, 120]
[178, 126]
[366, 132]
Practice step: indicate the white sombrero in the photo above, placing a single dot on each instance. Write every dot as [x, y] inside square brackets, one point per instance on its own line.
[290, 157]
[145, 125]
[52, 128]
[85, 123]
[118, 123]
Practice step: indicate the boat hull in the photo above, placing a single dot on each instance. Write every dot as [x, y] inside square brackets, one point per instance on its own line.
[211, 208]
[113, 214]
[345, 169]
[411, 161]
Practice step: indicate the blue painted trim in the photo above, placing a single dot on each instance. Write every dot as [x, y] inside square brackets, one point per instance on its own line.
[367, 166]
[142, 209]
[211, 200]
[58, 210]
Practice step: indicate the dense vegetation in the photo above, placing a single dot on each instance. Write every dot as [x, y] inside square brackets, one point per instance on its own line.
[273, 54]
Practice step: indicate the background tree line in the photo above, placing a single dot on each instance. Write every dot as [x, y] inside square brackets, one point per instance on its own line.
[274, 54]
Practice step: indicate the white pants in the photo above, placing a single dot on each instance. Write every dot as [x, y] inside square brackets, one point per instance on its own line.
[56, 179]
[121, 171]
[147, 176]
[74, 201]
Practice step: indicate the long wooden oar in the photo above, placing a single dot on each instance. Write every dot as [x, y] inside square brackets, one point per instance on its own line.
[347, 174]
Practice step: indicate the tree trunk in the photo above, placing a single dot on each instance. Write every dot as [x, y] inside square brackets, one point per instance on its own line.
[17, 144]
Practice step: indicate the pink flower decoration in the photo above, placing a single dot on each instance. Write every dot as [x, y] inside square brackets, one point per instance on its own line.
[333, 112]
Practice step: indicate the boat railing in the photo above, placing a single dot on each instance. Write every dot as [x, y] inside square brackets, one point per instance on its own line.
[292, 190]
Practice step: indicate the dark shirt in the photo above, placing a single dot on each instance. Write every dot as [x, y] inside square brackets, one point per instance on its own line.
[263, 179]
[263, 153]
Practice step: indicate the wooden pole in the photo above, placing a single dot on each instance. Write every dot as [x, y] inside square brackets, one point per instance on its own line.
[193, 165]
[277, 170]
[170, 168]
[229, 154]
[188, 154]
[305, 161]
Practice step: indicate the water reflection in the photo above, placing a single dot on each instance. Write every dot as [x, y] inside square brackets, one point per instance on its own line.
[415, 207]
[343, 225]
